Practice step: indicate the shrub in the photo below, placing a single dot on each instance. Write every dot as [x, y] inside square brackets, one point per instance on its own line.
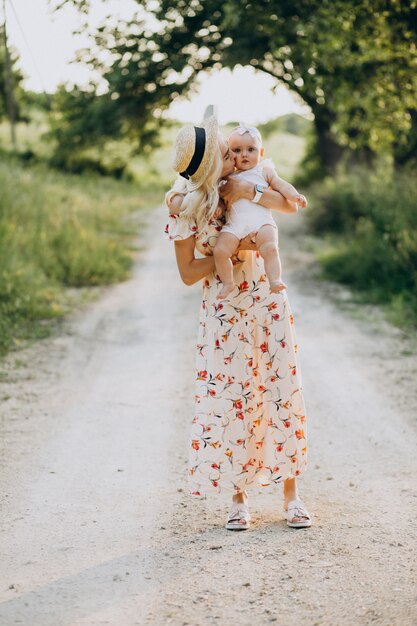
[374, 222]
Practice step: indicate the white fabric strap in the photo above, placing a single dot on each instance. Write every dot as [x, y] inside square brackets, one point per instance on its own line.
[253, 132]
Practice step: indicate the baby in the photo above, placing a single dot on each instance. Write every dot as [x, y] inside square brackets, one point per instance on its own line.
[245, 216]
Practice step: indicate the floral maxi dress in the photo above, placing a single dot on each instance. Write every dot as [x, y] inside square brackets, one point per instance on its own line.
[249, 425]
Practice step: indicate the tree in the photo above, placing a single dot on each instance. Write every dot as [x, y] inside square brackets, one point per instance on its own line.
[16, 76]
[352, 61]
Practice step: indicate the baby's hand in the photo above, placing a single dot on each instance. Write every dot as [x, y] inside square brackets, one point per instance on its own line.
[218, 212]
[301, 201]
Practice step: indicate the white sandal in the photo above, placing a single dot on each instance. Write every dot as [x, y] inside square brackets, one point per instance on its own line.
[296, 509]
[238, 512]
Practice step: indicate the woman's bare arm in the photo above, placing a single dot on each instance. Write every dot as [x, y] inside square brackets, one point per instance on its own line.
[235, 189]
[191, 269]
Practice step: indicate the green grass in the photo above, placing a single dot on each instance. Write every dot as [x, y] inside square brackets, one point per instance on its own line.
[58, 232]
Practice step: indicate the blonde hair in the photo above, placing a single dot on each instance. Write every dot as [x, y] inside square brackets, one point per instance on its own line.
[201, 203]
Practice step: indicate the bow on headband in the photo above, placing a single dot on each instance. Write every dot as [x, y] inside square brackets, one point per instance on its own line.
[253, 132]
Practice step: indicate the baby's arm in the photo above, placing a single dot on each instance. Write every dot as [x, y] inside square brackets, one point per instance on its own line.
[281, 185]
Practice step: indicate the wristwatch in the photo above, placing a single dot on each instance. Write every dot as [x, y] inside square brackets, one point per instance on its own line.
[259, 189]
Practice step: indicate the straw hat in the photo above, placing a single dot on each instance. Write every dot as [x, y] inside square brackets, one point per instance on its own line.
[194, 151]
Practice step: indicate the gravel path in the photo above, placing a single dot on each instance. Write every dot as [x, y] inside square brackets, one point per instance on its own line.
[96, 524]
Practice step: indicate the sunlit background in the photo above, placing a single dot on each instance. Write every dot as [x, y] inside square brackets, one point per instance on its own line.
[47, 48]
[90, 153]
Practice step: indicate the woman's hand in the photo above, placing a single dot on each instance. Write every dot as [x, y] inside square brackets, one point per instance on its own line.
[234, 189]
[248, 242]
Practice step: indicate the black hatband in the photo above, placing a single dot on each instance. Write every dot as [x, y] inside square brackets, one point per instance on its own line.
[200, 146]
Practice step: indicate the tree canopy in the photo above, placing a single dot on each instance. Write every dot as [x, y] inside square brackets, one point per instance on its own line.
[353, 62]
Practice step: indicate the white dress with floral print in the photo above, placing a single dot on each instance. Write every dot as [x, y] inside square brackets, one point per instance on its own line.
[249, 425]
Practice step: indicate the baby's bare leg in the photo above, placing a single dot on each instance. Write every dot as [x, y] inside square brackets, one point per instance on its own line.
[267, 243]
[225, 246]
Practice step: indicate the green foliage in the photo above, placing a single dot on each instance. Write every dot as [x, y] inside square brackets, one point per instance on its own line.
[59, 231]
[352, 61]
[292, 123]
[374, 220]
[17, 78]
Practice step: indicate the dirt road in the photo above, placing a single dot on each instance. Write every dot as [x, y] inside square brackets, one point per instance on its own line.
[96, 524]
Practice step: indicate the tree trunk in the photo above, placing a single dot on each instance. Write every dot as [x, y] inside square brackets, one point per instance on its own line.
[329, 151]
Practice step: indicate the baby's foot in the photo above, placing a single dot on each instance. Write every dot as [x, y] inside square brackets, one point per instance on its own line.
[227, 288]
[277, 286]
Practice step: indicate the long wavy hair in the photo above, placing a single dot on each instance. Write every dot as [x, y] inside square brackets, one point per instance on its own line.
[201, 203]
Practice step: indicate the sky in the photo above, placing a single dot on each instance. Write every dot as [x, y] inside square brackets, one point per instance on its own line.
[46, 46]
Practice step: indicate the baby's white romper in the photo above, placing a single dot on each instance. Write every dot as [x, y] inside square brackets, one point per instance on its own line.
[245, 216]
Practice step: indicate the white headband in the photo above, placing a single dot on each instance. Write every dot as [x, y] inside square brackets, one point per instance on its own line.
[253, 132]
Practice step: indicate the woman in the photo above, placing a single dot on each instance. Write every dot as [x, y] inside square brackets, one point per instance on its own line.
[249, 422]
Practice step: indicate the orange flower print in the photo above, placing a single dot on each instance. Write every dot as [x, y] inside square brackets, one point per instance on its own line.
[242, 357]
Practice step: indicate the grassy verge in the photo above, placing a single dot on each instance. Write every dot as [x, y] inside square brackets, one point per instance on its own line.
[59, 231]
[61, 234]
[370, 224]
